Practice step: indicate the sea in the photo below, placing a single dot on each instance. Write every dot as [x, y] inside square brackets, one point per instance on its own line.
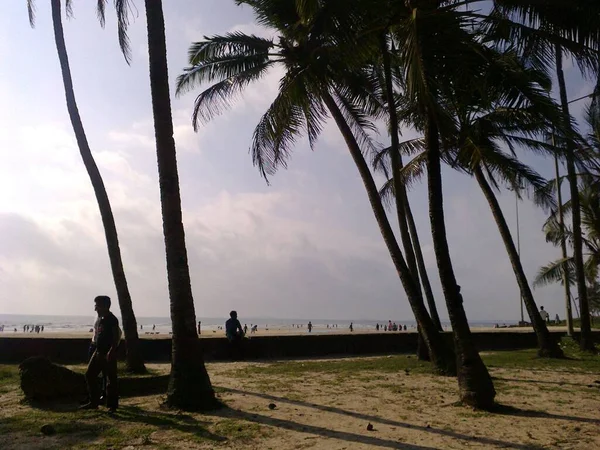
[78, 324]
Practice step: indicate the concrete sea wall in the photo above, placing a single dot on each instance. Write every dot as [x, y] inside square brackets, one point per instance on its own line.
[15, 349]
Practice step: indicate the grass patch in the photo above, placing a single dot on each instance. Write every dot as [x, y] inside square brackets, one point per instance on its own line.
[347, 367]
[238, 430]
[528, 359]
[9, 376]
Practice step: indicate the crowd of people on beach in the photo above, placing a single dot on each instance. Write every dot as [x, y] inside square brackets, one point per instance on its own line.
[391, 326]
[26, 329]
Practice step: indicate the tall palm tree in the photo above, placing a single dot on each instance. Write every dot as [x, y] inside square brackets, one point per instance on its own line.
[408, 230]
[544, 32]
[513, 110]
[518, 112]
[322, 77]
[135, 362]
[189, 385]
[438, 49]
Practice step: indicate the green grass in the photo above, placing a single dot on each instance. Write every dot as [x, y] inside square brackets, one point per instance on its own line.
[9, 376]
[527, 359]
[131, 425]
[348, 367]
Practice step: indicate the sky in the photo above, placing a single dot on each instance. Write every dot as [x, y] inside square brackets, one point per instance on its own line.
[307, 246]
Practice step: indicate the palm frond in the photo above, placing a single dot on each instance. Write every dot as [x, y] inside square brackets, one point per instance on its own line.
[31, 10]
[291, 114]
[411, 147]
[101, 12]
[69, 9]
[219, 97]
[554, 272]
[123, 9]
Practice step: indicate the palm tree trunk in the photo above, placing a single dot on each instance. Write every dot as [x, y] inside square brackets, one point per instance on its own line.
[189, 385]
[422, 269]
[135, 362]
[400, 195]
[585, 342]
[475, 383]
[563, 248]
[440, 355]
[547, 346]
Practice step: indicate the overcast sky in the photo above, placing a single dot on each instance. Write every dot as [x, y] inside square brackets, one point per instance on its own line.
[305, 247]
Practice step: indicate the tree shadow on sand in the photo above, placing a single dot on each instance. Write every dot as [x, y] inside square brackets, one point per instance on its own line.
[168, 421]
[558, 383]
[513, 411]
[286, 424]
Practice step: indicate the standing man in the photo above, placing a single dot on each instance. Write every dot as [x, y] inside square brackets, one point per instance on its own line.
[544, 314]
[104, 358]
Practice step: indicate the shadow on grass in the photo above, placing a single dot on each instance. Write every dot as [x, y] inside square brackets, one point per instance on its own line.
[517, 412]
[289, 425]
[180, 422]
[558, 383]
[320, 431]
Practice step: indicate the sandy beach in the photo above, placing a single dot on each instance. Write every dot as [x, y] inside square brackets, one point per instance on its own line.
[264, 332]
[331, 404]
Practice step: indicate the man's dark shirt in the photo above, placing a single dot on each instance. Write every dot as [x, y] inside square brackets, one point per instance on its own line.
[231, 327]
[106, 332]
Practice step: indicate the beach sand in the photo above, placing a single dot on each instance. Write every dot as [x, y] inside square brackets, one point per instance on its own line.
[324, 408]
[261, 332]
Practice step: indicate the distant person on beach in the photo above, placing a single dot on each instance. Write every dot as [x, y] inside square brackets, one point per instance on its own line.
[245, 329]
[141, 327]
[104, 358]
[199, 328]
[404, 327]
[309, 326]
[233, 328]
[351, 327]
[377, 327]
[544, 314]
[153, 327]
[557, 319]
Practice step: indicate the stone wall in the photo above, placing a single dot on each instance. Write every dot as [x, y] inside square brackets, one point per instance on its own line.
[15, 350]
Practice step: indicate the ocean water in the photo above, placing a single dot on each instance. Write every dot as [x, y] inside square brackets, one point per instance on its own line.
[68, 324]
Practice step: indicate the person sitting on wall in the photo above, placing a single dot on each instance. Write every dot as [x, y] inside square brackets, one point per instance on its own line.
[233, 328]
[235, 334]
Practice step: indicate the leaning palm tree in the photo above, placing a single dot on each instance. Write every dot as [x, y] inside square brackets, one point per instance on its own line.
[546, 32]
[323, 77]
[513, 110]
[189, 384]
[408, 230]
[438, 49]
[135, 362]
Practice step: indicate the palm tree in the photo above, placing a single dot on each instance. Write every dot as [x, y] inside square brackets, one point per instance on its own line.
[189, 385]
[439, 49]
[478, 153]
[322, 76]
[408, 231]
[135, 362]
[589, 201]
[512, 110]
[544, 32]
